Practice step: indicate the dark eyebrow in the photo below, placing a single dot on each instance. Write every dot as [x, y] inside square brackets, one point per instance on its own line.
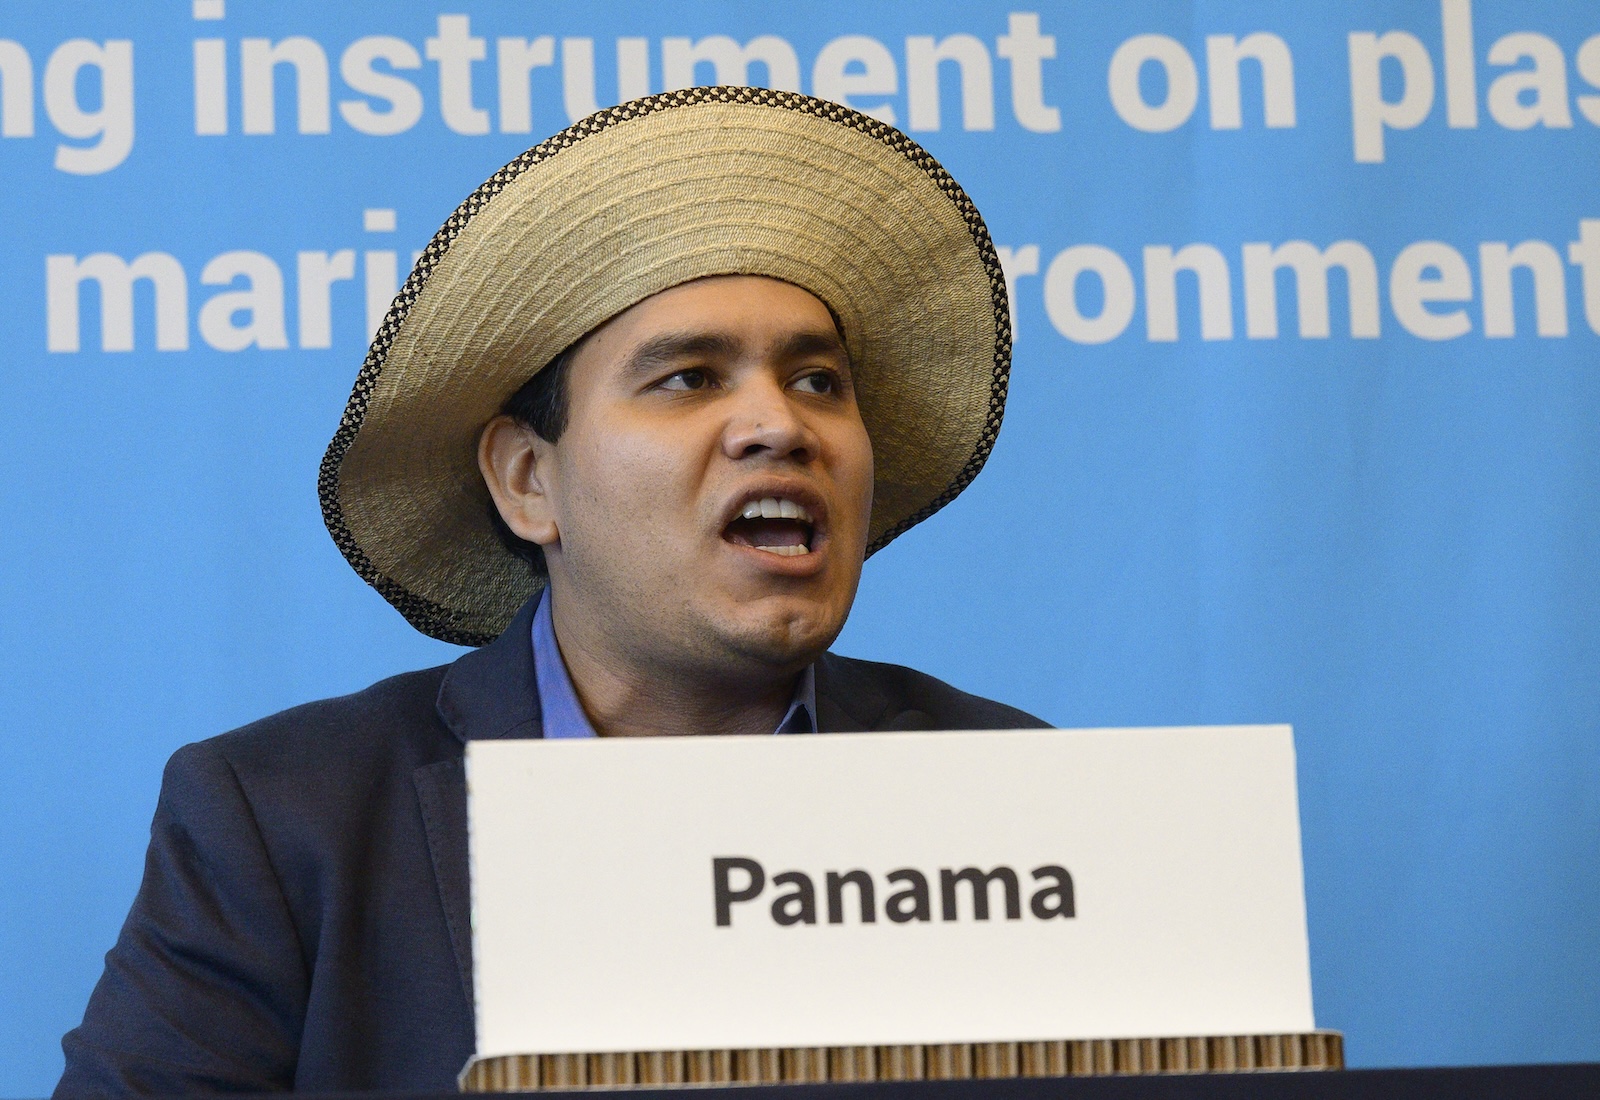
[671, 347]
[663, 351]
[802, 345]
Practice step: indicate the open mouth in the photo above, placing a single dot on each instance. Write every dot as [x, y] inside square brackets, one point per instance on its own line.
[774, 524]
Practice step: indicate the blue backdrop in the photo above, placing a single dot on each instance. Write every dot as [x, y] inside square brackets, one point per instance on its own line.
[1302, 423]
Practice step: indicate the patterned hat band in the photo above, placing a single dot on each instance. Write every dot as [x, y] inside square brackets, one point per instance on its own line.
[627, 203]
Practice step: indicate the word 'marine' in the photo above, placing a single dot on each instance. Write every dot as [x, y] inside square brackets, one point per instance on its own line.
[1053, 896]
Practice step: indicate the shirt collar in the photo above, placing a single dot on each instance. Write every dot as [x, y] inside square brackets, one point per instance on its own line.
[564, 717]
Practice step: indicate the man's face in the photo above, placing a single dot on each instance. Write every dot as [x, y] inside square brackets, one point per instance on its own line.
[711, 492]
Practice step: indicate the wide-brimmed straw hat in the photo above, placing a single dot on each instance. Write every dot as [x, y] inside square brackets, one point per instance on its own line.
[626, 203]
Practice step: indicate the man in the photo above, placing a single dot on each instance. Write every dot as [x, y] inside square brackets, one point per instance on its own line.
[651, 396]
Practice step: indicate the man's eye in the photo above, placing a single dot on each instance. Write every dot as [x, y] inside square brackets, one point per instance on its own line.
[818, 382]
[691, 379]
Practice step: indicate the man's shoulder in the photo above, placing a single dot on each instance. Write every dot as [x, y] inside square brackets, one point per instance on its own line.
[871, 695]
[392, 724]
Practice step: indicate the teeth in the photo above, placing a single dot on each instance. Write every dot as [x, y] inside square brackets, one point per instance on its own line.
[785, 551]
[775, 508]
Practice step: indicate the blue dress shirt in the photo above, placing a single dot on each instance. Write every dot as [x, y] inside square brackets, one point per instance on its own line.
[563, 714]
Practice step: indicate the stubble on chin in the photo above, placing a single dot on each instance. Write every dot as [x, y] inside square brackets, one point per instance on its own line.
[755, 645]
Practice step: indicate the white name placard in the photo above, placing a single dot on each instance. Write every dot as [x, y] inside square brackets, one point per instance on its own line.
[862, 889]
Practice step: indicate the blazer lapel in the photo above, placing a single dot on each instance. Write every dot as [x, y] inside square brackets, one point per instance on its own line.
[488, 694]
[442, 795]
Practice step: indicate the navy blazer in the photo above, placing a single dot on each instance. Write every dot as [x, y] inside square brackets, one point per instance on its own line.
[303, 922]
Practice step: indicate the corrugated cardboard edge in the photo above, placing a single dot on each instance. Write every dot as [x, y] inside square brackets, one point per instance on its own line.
[1315, 1050]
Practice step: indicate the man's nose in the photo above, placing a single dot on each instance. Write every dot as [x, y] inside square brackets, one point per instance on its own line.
[764, 420]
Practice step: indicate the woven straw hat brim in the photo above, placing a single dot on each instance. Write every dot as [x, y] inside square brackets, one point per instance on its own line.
[629, 202]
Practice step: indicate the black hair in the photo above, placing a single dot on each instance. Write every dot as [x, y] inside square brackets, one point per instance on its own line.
[541, 407]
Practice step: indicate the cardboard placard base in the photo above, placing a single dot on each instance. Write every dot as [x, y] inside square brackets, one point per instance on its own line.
[1317, 1050]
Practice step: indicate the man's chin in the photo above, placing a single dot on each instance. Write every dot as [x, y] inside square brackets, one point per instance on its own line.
[779, 636]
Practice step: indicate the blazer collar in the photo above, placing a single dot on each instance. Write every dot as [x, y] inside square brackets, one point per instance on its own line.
[847, 700]
[492, 692]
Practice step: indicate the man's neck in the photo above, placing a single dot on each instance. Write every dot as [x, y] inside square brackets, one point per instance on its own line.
[620, 704]
[625, 697]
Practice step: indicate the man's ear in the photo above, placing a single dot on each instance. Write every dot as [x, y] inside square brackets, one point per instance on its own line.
[516, 466]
